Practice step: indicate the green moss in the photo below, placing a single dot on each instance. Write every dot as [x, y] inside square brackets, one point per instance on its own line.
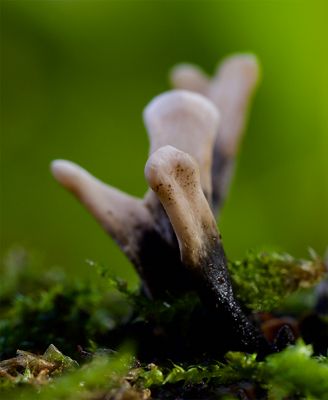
[295, 372]
[292, 373]
[95, 378]
[39, 309]
[66, 316]
[237, 366]
[29, 368]
[263, 280]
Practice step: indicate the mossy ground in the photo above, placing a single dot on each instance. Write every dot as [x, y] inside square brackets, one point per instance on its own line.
[115, 344]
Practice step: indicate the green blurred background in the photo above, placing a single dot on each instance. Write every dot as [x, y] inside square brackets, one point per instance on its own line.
[76, 76]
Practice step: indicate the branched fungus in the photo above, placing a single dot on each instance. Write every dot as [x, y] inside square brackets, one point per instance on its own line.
[141, 227]
[171, 235]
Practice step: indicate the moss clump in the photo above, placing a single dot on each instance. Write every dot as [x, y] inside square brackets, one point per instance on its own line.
[263, 280]
[294, 374]
[95, 379]
[39, 309]
[29, 368]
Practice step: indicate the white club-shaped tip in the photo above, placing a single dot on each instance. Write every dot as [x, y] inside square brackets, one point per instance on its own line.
[177, 105]
[67, 173]
[61, 169]
[248, 60]
[242, 66]
[189, 77]
[162, 162]
[189, 122]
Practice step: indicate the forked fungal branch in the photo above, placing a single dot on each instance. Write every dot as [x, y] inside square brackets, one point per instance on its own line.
[171, 235]
[140, 226]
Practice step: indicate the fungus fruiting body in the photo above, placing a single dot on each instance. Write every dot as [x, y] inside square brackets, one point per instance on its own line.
[170, 235]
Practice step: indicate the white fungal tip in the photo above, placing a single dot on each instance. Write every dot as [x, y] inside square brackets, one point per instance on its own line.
[189, 122]
[163, 161]
[189, 77]
[247, 65]
[177, 105]
[66, 172]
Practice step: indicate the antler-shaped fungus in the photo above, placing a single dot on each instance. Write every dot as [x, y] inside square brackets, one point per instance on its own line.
[171, 235]
[141, 227]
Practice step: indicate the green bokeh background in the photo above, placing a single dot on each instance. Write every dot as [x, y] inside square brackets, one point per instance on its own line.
[76, 76]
